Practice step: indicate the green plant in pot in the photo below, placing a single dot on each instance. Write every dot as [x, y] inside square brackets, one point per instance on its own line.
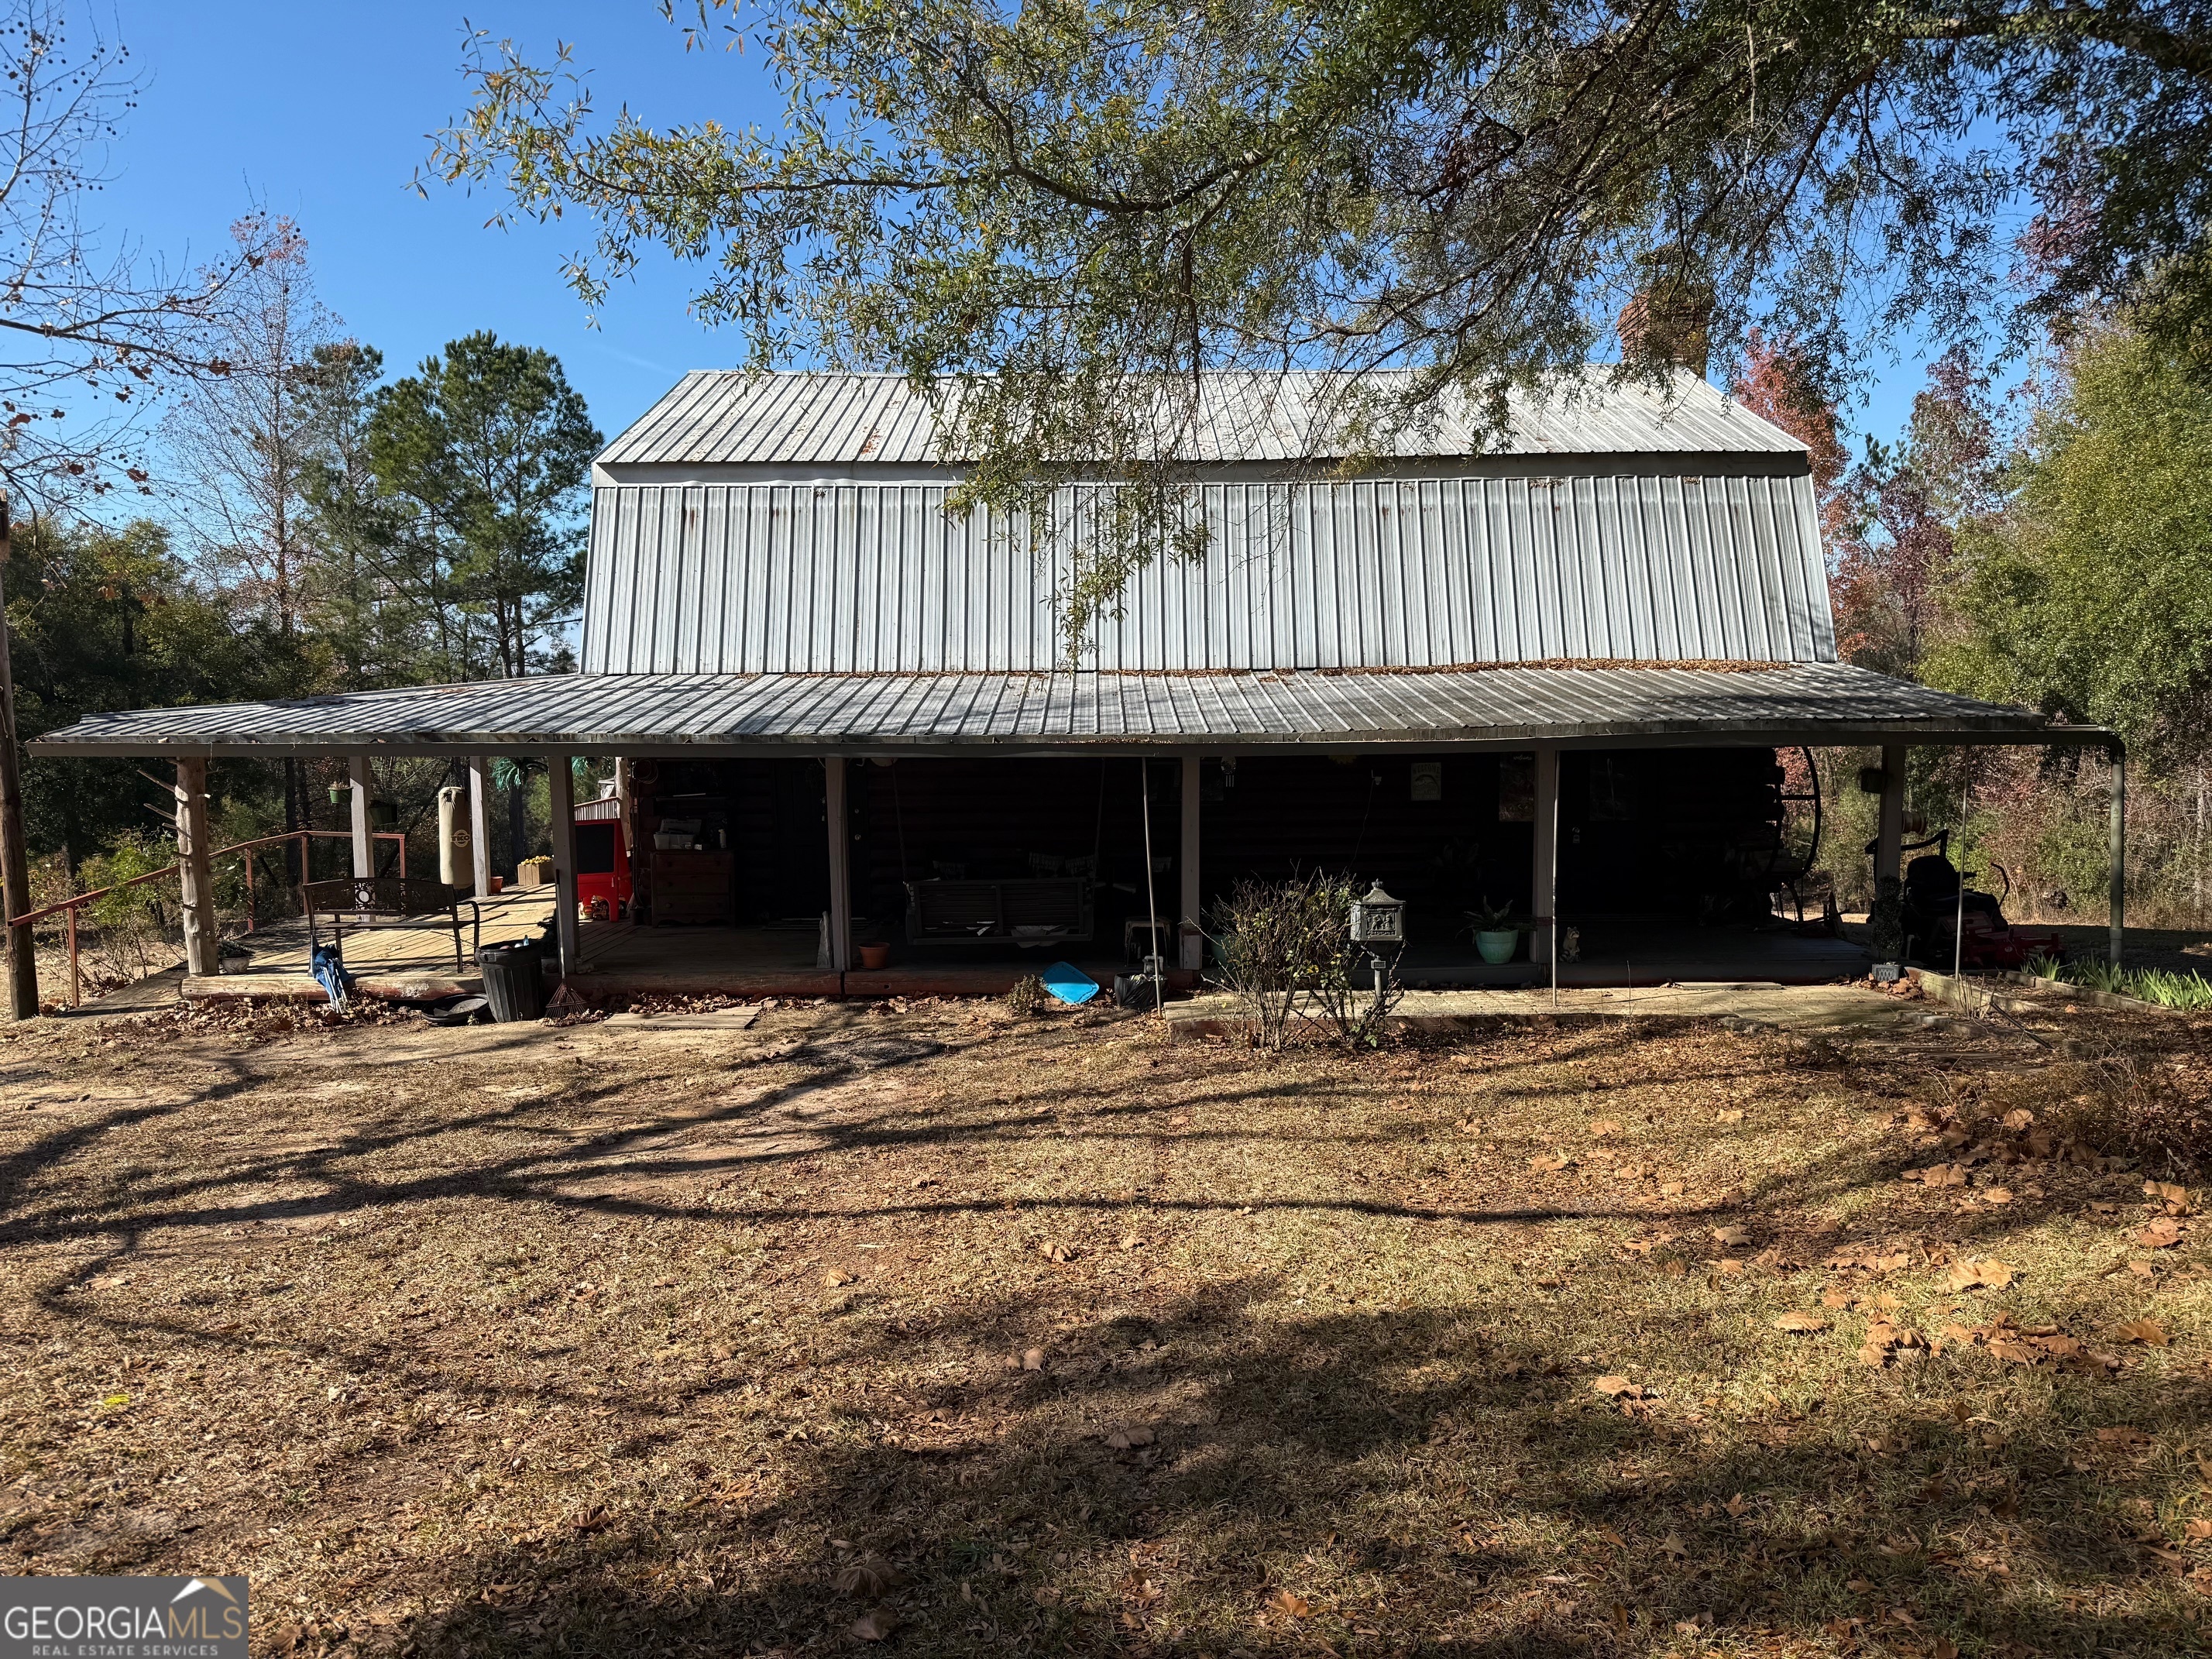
[1496, 933]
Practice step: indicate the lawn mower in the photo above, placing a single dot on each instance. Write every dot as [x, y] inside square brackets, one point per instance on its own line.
[1935, 915]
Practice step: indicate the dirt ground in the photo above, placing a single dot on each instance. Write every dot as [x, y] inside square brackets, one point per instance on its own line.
[944, 1332]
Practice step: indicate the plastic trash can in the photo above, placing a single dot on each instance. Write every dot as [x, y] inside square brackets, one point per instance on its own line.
[512, 980]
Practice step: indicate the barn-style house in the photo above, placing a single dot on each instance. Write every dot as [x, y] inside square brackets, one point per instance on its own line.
[1550, 676]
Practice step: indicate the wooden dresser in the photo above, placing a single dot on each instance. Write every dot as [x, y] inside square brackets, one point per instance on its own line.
[692, 887]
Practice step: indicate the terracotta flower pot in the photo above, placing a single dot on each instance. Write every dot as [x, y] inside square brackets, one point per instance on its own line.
[875, 955]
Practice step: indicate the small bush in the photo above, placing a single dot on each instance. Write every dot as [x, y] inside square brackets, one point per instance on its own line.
[1284, 950]
[1027, 996]
[1271, 944]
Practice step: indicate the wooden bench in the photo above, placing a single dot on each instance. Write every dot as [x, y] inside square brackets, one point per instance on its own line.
[388, 902]
[1034, 911]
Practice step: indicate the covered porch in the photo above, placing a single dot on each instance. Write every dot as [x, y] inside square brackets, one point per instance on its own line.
[880, 811]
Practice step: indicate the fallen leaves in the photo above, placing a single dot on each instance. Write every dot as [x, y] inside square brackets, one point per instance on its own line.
[1938, 1174]
[867, 1577]
[1125, 1439]
[2174, 1195]
[1887, 1341]
[2006, 1338]
[837, 1277]
[1054, 1249]
[1731, 1236]
[1290, 1605]
[2147, 1331]
[1803, 1324]
[1883, 1261]
[1619, 1388]
[876, 1624]
[2162, 1234]
[1550, 1163]
[1988, 1274]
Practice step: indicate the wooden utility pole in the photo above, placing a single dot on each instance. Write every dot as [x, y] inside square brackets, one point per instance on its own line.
[15, 856]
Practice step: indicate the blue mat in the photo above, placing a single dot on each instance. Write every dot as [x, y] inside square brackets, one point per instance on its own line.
[1069, 983]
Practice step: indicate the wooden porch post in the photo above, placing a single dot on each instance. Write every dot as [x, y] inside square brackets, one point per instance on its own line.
[1889, 855]
[840, 871]
[1191, 932]
[2118, 850]
[480, 822]
[561, 792]
[196, 871]
[364, 849]
[1544, 875]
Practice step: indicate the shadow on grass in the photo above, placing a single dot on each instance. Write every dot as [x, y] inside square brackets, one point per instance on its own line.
[1440, 1480]
[1413, 1482]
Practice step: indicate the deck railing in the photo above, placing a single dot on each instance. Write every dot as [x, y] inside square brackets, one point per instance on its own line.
[67, 908]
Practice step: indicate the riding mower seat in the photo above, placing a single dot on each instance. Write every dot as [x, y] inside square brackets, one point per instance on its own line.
[1933, 918]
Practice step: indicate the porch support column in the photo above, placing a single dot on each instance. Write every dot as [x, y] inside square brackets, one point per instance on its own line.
[2119, 849]
[364, 849]
[196, 871]
[480, 822]
[1889, 855]
[560, 791]
[1544, 875]
[840, 862]
[1192, 934]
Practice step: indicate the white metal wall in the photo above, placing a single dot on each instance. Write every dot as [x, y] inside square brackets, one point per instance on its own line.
[842, 578]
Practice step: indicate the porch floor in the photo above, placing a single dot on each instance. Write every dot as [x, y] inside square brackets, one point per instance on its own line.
[621, 959]
[1633, 950]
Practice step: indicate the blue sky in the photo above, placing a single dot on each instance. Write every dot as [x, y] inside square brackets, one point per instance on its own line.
[321, 112]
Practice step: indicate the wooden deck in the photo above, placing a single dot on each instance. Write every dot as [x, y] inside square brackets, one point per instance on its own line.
[413, 961]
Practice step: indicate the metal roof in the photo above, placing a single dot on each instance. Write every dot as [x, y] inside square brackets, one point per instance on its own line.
[844, 577]
[737, 418]
[1500, 708]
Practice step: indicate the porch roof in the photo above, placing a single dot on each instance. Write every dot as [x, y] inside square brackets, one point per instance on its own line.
[1503, 706]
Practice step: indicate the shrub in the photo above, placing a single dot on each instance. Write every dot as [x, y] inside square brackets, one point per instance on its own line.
[1284, 950]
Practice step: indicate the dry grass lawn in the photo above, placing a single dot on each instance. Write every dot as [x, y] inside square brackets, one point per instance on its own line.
[965, 1335]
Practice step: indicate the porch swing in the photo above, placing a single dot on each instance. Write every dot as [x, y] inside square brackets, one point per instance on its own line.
[1038, 909]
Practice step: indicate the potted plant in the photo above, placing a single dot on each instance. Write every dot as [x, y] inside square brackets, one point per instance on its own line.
[1497, 934]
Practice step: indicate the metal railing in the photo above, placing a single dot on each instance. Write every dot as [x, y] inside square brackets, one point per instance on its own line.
[67, 908]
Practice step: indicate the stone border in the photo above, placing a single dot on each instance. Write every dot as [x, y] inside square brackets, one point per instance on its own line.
[1967, 995]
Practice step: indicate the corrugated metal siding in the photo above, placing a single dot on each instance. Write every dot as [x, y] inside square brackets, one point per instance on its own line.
[732, 417]
[632, 713]
[864, 578]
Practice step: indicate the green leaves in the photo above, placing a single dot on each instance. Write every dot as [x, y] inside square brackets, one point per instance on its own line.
[1071, 209]
[2094, 596]
[487, 451]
